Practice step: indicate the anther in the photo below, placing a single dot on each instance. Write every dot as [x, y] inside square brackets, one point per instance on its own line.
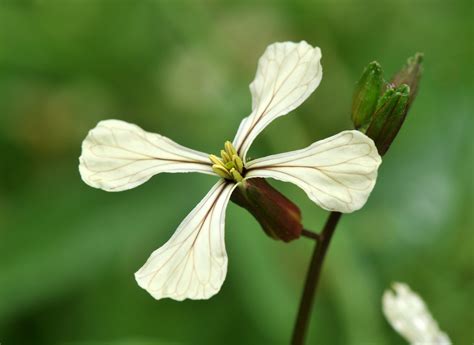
[236, 175]
[238, 163]
[214, 159]
[225, 157]
[222, 172]
[229, 148]
[229, 165]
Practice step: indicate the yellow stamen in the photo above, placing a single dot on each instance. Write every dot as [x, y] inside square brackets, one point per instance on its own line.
[239, 165]
[216, 160]
[222, 172]
[225, 157]
[235, 174]
[229, 148]
[229, 165]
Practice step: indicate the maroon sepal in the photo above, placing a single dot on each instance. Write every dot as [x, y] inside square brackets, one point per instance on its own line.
[410, 75]
[278, 216]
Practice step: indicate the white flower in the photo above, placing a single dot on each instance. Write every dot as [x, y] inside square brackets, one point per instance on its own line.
[408, 315]
[337, 173]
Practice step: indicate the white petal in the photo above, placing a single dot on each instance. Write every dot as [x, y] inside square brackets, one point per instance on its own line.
[287, 74]
[408, 315]
[193, 263]
[337, 173]
[117, 155]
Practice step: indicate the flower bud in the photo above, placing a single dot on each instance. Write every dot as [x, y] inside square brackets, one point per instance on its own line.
[278, 216]
[392, 107]
[410, 75]
[388, 117]
[366, 95]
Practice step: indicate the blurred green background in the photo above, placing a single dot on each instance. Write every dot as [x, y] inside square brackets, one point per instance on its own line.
[68, 252]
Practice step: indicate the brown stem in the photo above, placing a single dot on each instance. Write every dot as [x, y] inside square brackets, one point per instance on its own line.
[312, 279]
[310, 234]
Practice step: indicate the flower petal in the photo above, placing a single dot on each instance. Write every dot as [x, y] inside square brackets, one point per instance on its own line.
[193, 263]
[287, 74]
[337, 173]
[409, 316]
[117, 156]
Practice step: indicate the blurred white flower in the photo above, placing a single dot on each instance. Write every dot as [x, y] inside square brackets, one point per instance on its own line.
[409, 316]
[337, 173]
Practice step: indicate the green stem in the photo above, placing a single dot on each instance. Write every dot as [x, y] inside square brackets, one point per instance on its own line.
[312, 279]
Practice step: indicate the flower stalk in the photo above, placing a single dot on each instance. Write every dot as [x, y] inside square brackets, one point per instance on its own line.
[312, 278]
[380, 116]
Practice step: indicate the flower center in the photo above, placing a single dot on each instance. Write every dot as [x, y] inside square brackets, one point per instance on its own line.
[229, 165]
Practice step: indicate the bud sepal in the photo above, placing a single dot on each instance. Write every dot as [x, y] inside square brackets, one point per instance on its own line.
[366, 95]
[381, 115]
[278, 216]
[410, 75]
[388, 118]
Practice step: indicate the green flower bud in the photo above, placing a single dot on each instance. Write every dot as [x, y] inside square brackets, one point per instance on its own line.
[366, 95]
[388, 117]
[278, 216]
[381, 117]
